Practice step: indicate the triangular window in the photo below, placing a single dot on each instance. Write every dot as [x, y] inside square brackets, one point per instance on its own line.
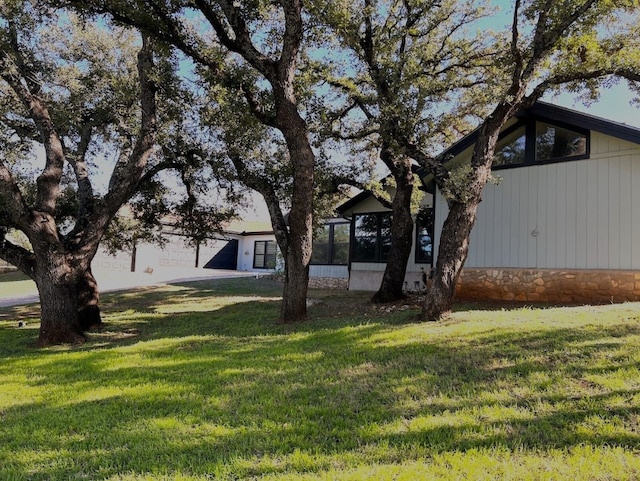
[511, 148]
[540, 142]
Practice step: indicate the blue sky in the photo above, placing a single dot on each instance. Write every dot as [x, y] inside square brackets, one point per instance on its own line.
[615, 103]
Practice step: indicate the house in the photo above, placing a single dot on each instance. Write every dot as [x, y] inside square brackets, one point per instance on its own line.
[562, 224]
[248, 246]
[242, 245]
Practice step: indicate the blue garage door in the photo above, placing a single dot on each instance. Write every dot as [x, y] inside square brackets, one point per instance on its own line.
[226, 258]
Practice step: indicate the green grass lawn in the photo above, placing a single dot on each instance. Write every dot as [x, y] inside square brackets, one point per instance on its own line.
[196, 382]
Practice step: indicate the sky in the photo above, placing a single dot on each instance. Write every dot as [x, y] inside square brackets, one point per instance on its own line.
[615, 103]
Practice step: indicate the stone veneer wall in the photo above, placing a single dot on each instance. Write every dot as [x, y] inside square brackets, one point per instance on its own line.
[548, 285]
[319, 282]
[328, 283]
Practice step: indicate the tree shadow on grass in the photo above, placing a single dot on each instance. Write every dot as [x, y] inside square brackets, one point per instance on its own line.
[228, 393]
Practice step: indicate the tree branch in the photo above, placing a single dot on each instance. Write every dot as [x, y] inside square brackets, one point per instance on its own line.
[11, 198]
[156, 169]
[241, 43]
[128, 171]
[267, 118]
[79, 165]
[265, 187]
[516, 54]
[17, 255]
[15, 72]
[432, 164]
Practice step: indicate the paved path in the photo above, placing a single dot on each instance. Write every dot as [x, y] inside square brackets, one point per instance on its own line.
[109, 281]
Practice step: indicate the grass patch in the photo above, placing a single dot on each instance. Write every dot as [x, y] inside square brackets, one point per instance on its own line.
[195, 382]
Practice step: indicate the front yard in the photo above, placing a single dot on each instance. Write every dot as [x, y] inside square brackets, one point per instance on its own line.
[196, 382]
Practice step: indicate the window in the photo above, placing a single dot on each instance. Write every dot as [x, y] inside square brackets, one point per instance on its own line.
[340, 244]
[534, 141]
[555, 142]
[511, 148]
[424, 236]
[264, 255]
[320, 253]
[372, 237]
[331, 245]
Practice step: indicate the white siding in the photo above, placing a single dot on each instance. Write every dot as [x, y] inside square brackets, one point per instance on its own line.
[246, 251]
[635, 217]
[332, 271]
[583, 212]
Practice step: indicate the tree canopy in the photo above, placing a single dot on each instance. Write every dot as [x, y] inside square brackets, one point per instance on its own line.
[84, 107]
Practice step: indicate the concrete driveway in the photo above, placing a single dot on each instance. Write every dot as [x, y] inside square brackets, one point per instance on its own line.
[110, 281]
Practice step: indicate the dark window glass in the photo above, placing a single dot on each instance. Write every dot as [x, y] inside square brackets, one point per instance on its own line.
[264, 256]
[331, 245]
[340, 244]
[424, 233]
[365, 237]
[511, 148]
[271, 255]
[556, 142]
[372, 237]
[321, 245]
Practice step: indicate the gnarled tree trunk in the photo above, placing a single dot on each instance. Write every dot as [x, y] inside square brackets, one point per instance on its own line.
[59, 321]
[456, 230]
[401, 238]
[299, 243]
[452, 253]
[88, 302]
[294, 299]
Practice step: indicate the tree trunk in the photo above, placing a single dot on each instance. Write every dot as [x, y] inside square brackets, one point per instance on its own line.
[452, 253]
[401, 240]
[454, 240]
[60, 322]
[300, 232]
[88, 302]
[294, 298]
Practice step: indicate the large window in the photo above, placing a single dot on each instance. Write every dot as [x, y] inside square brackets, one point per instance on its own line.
[331, 245]
[264, 255]
[556, 142]
[424, 236]
[535, 141]
[372, 237]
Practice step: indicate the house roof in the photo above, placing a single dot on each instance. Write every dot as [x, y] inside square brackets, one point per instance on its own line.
[553, 113]
[251, 227]
[540, 110]
[547, 113]
[341, 209]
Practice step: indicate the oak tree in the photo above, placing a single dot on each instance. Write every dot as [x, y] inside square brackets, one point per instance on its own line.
[78, 97]
[266, 38]
[406, 74]
[576, 45]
